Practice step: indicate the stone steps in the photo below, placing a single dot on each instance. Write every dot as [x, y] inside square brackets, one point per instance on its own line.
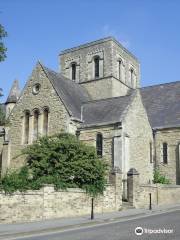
[127, 205]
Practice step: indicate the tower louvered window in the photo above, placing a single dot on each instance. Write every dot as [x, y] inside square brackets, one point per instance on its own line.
[96, 67]
[99, 144]
[131, 77]
[151, 152]
[73, 71]
[120, 69]
[165, 153]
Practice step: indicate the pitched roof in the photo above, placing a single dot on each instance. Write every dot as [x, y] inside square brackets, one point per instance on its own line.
[72, 94]
[105, 111]
[14, 93]
[162, 103]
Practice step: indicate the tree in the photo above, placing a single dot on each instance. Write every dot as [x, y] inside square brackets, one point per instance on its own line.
[3, 49]
[61, 160]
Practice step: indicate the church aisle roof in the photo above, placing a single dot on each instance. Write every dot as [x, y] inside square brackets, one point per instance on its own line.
[72, 94]
[105, 111]
[162, 103]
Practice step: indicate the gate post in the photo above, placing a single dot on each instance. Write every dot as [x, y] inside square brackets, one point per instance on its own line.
[132, 185]
[116, 180]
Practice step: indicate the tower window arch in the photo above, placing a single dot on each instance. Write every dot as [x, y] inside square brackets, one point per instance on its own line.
[36, 124]
[73, 68]
[131, 77]
[45, 121]
[96, 66]
[99, 144]
[120, 69]
[26, 127]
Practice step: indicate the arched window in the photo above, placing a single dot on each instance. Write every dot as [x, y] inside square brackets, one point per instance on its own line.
[99, 144]
[151, 152]
[26, 127]
[165, 153]
[36, 127]
[45, 121]
[131, 77]
[96, 66]
[120, 69]
[73, 66]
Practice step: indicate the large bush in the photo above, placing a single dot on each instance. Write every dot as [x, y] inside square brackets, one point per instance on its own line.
[61, 160]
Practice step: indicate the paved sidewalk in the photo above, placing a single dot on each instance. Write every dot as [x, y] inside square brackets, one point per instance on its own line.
[67, 223]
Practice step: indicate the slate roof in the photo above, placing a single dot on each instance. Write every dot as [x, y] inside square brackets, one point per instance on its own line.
[72, 94]
[14, 93]
[105, 111]
[162, 103]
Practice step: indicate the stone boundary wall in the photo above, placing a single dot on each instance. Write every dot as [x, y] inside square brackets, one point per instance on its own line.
[47, 203]
[161, 194]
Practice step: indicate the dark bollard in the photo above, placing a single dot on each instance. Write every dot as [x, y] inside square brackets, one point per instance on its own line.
[92, 208]
[150, 202]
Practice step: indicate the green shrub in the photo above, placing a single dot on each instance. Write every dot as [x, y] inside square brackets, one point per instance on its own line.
[158, 178]
[61, 160]
[15, 180]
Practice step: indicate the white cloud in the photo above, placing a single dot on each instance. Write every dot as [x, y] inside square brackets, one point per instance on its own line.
[108, 31]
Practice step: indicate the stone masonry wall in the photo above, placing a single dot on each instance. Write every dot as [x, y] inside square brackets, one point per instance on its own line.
[89, 136]
[137, 129]
[47, 97]
[128, 62]
[108, 84]
[48, 203]
[160, 195]
[105, 88]
[172, 169]
[82, 56]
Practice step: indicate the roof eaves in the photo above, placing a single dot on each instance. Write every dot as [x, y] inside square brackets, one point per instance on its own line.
[166, 127]
[99, 124]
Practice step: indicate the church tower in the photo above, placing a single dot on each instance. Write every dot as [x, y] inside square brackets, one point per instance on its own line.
[12, 98]
[104, 67]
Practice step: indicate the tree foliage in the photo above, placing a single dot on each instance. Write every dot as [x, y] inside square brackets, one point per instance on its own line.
[3, 49]
[61, 160]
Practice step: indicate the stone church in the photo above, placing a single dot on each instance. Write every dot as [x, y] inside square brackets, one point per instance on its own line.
[97, 96]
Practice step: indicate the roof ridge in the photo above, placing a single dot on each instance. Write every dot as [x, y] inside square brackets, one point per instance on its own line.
[105, 99]
[160, 84]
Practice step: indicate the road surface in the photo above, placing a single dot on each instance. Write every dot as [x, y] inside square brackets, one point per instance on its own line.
[166, 225]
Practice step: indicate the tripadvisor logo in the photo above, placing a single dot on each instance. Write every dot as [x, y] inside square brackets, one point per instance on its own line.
[139, 231]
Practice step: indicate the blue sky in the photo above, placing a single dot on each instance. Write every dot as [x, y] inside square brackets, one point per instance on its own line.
[40, 29]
